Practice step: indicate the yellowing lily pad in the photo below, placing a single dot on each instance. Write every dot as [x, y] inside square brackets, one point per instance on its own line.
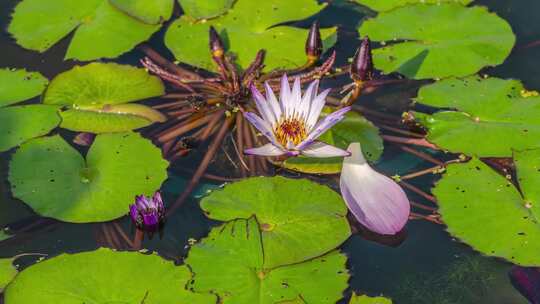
[299, 219]
[56, 181]
[20, 85]
[230, 263]
[354, 128]
[363, 299]
[96, 97]
[477, 113]
[248, 27]
[104, 276]
[101, 29]
[485, 210]
[438, 40]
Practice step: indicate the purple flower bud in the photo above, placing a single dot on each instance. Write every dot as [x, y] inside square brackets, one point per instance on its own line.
[147, 213]
[362, 63]
[527, 281]
[216, 45]
[84, 139]
[314, 46]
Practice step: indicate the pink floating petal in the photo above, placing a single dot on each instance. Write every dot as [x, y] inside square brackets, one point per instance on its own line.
[320, 149]
[375, 200]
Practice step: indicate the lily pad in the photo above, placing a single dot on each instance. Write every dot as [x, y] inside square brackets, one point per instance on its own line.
[205, 9]
[56, 181]
[481, 112]
[101, 30]
[354, 128]
[7, 272]
[247, 28]
[89, 278]
[20, 85]
[299, 219]
[3, 235]
[22, 123]
[96, 94]
[148, 11]
[363, 299]
[485, 210]
[385, 5]
[230, 263]
[436, 41]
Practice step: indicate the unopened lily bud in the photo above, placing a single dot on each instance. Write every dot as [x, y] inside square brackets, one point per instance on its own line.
[362, 63]
[216, 45]
[314, 46]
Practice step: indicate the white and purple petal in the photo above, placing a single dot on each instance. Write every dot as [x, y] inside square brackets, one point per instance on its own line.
[375, 200]
[315, 109]
[262, 126]
[266, 150]
[285, 96]
[320, 149]
[272, 101]
[263, 106]
[322, 126]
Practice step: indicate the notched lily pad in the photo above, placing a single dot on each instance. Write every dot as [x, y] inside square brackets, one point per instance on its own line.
[299, 219]
[230, 263]
[19, 85]
[205, 9]
[385, 5]
[436, 41]
[354, 128]
[477, 113]
[88, 277]
[22, 123]
[96, 97]
[101, 29]
[147, 11]
[56, 181]
[485, 210]
[247, 28]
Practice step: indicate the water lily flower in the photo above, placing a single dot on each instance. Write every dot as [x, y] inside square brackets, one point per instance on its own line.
[375, 200]
[291, 124]
[147, 212]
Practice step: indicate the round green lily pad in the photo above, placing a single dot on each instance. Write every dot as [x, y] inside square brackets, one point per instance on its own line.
[485, 210]
[22, 123]
[247, 28]
[148, 11]
[479, 113]
[19, 85]
[385, 5]
[299, 219]
[7, 272]
[230, 263]
[96, 95]
[439, 40]
[104, 276]
[354, 128]
[205, 9]
[101, 30]
[363, 299]
[56, 181]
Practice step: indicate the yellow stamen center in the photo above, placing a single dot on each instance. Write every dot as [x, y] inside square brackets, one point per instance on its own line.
[290, 130]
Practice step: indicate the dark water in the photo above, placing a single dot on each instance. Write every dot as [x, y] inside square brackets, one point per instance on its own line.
[428, 267]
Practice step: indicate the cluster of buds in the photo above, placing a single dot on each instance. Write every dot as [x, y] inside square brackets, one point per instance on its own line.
[147, 212]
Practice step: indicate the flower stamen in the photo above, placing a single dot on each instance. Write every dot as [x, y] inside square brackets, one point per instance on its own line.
[290, 130]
